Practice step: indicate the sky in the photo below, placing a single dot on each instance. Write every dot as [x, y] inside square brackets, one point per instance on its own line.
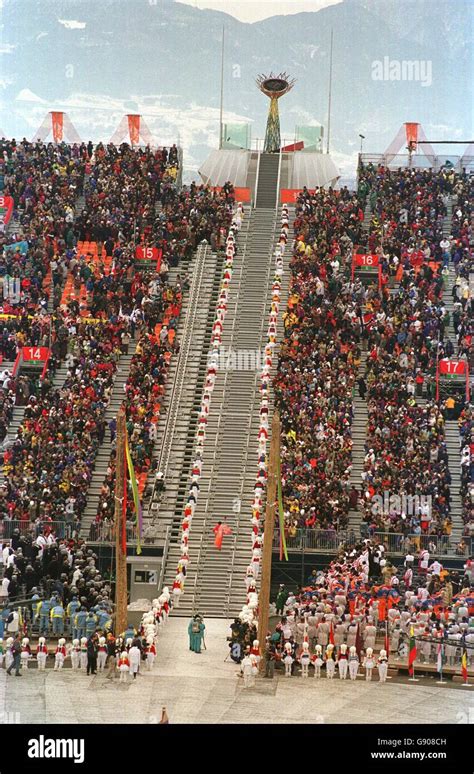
[252, 11]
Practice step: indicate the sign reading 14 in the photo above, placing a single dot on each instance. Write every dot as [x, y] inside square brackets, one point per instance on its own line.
[35, 353]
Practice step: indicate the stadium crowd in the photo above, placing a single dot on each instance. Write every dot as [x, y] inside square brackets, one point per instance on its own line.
[103, 302]
[318, 361]
[362, 603]
[330, 320]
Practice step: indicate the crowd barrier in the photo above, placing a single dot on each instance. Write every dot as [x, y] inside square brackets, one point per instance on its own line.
[60, 529]
[105, 533]
[395, 543]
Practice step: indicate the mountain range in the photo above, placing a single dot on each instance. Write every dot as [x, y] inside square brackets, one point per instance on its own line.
[100, 58]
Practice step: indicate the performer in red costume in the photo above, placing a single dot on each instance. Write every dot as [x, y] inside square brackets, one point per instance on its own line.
[219, 531]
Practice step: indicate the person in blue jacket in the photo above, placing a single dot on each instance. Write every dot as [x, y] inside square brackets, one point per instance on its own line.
[57, 618]
[104, 619]
[44, 610]
[79, 627]
[91, 623]
[71, 611]
[3, 620]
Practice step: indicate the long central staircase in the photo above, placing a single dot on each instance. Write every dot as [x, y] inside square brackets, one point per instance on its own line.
[214, 581]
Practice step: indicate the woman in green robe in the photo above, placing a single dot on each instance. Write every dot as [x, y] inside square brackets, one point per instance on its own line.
[196, 630]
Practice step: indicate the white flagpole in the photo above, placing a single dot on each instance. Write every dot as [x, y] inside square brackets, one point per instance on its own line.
[440, 664]
[330, 93]
[221, 112]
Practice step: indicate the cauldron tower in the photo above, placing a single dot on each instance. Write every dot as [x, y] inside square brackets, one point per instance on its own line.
[274, 87]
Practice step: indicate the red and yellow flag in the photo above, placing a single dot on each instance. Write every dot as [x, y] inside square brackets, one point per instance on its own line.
[331, 634]
[464, 664]
[412, 653]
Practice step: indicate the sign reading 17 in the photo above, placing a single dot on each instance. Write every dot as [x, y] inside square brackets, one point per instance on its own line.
[452, 367]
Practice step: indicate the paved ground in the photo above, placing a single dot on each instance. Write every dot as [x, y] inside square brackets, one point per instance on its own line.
[205, 689]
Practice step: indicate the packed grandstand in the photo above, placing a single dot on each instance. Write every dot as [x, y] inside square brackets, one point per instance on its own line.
[392, 514]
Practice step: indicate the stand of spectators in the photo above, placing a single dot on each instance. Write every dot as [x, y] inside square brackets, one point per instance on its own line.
[318, 361]
[364, 601]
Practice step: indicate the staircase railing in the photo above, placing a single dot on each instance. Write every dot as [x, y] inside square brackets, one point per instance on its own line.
[181, 366]
[259, 156]
[163, 560]
[277, 202]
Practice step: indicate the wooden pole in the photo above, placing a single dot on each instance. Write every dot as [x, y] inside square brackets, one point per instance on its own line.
[264, 595]
[121, 596]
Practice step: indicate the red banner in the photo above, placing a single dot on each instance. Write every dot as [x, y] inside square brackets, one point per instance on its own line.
[367, 260]
[242, 194]
[452, 367]
[290, 195]
[6, 208]
[449, 368]
[151, 254]
[35, 354]
[57, 126]
[296, 146]
[134, 129]
[411, 133]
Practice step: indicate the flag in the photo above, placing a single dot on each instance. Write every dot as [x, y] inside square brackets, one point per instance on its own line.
[331, 634]
[464, 662]
[358, 641]
[124, 515]
[136, 497]
[439, 661]
[412, 653]
[281, 514]
[382, 608]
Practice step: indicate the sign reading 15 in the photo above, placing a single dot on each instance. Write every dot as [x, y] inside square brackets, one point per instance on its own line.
[147, 253]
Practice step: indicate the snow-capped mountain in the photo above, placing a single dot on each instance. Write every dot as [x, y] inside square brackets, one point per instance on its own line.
[98, 59]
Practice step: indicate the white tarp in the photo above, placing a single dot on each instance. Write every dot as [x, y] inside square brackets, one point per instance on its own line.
[312, 170]
[223, 165]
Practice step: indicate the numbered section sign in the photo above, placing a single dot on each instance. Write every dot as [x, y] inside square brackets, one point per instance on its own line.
[34, 355]
[366, 260]
[448, 367]
[6, 209]
[149, 256]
